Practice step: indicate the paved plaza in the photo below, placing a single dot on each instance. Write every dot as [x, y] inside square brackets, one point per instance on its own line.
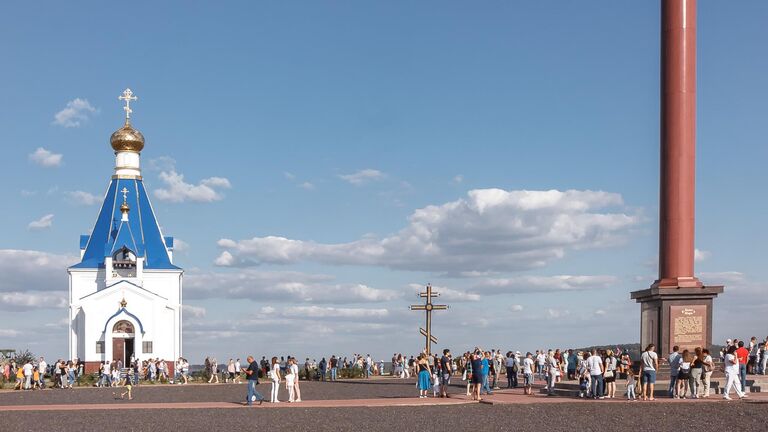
[357, 405]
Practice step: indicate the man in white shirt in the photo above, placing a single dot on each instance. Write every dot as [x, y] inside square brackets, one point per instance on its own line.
[541, 359]
[528, 373]
[237, 371]
[595, 365]
[41, 368]
[649, 362]
[27, 375]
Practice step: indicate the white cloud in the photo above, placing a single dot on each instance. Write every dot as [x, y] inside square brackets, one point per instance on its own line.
[45, 157]
[29, 270]
[333, 312]
[180, 245]
[447, 294]
[9, 333]
[42, 223]
[286, 287]
[490, 229]
[162, 163]
[307, 186]
[552, 313]
[84, 198]
[193, 311]
[177, 190]
[363, 176]
[28, 193]
[537, 284]
[76, 111]
[458, 179]
[516, 308]
[289, 176]
[26, 300]
[701, 255]
[600, 312]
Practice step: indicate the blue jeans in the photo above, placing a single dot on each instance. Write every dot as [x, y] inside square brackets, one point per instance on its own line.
[333, 374]
[743, 376]
[597, 386]
[485, 387]
[252, 392]
[322, 374]
[672, 385]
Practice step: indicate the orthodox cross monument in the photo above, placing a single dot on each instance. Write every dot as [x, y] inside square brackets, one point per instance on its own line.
[677, 308]
[428, 307]
[125, 293]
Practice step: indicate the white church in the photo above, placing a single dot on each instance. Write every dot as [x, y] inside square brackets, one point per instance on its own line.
[125, 293]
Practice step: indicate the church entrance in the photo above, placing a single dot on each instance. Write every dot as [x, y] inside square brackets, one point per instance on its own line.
[123, 342]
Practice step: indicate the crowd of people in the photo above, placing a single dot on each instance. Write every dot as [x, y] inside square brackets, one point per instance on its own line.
[596, 370]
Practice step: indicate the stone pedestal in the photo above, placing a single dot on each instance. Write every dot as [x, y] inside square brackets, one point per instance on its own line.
[676, 316]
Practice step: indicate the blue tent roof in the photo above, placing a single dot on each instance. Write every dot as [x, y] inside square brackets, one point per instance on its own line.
[141, 234]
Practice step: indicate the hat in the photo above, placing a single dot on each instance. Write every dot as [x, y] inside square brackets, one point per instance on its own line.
[728, 341]
[518, 352]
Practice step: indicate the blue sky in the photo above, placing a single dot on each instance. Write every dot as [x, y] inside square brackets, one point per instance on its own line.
[350, 132]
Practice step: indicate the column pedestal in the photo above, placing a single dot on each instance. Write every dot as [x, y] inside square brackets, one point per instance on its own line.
[679, 316]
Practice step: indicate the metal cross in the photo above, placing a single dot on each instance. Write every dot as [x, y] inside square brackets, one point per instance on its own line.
[428, 307]
[128, 97]
[125, 194]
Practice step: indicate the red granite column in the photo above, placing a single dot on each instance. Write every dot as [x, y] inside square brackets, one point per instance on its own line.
[678, 145]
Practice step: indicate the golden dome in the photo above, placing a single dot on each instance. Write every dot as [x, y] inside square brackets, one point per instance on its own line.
[127, 139]
[124, 208]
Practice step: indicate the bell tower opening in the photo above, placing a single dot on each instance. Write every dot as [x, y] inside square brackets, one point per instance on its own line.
[124, 262]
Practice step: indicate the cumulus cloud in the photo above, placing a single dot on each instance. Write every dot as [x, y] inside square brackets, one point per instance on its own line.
[287, 287]
[76, 112]
[177, 190]
[489, 230]
[448, 294]
[537, 284]
[31, 270]
[18, 301]
[701, 255]
[45, 157]
[362, 177]
[193, 311]
[180, 245]
[83, 198]
[458, 179]
[307, 186]
[42, 223]
[333, 312]
[516, 308]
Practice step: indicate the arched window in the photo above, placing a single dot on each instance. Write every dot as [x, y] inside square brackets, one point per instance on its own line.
[123, 327]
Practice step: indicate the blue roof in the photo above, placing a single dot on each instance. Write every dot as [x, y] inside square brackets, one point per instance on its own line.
[141, 234]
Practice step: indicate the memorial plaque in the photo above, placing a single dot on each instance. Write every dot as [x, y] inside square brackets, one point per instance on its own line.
[688, 327]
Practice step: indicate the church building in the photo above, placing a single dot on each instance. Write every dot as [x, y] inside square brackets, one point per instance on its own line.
[125, 293]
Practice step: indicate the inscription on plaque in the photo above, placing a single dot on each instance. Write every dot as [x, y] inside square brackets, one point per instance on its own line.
[688, 325]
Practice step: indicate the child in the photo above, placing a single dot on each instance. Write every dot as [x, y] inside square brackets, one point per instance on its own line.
[631, 385]
[36, 379]
[290, 379]
[128, 388]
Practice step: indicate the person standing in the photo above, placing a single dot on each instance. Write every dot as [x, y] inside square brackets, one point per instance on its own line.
[674, 361]
[238, 368]
[334, 363]
[274, 375]
[708, 367]
[252, 377]
[511, 364]
[649, 364]
[553, 371]
[684, 374]
[573, 362]
[610, 373]
[446, 363]
[732, 374]
[528, 368]
[294, 367]
[595, 365]
[42, 367]
[743, 356]
[424, 375]
[697, 370]
[323, 366]
[27, 375]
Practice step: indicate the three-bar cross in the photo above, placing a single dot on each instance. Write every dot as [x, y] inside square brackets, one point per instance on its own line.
[428, 307]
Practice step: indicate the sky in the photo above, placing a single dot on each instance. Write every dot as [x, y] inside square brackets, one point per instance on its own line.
[320, 162]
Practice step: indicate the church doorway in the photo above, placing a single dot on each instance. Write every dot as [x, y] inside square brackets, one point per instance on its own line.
[123, 337]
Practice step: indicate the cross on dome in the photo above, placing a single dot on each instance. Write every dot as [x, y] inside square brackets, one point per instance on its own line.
[128, 97]
[125, 194]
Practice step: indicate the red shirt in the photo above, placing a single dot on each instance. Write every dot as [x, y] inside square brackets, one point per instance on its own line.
[743, 355]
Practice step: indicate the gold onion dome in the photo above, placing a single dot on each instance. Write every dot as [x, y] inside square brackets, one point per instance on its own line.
[127, 139]
[124, 208]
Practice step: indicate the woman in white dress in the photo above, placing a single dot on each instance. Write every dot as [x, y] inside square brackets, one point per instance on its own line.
[732, 374]
[295, 371]
[274, 375]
